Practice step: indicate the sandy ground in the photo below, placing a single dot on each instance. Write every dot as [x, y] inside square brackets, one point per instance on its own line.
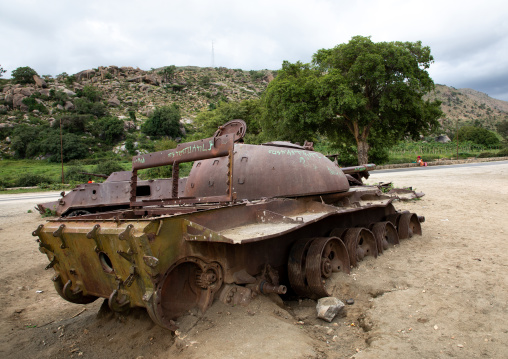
[444, 294]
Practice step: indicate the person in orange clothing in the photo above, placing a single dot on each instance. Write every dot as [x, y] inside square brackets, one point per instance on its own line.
[420, 161]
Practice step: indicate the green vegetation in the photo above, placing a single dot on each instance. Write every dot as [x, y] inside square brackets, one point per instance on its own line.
[165, 121]
[478, 135]
[23, 75]
[502, 129]
[362, 93]
[47, 175]
[406, 152]
[2, 71]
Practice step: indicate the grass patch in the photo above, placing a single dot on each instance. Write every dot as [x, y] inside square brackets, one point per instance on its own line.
[14, 172]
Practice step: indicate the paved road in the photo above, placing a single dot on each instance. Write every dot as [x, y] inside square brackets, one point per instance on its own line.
[38, 197]
[429, 168]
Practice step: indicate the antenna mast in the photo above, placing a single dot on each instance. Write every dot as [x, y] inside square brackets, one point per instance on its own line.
[213, 57]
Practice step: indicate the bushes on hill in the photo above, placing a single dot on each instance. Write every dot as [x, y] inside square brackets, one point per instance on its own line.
[23, 75]
[478, 135]
[108, 129]
[30, 142]
[165, 121]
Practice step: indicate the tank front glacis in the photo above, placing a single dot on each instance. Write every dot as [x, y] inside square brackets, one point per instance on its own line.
[248, 220]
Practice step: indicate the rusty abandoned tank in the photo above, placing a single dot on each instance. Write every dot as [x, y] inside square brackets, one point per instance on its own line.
[248, 220]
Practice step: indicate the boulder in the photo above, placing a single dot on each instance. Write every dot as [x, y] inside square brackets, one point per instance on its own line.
[84, 75]
[443, 139]
[66, 91]
[40, 82]
[25, 91]
[129, 125]
[17, 102]
[44, 92]
[9, 98]
[114, 101]
[328, 307]
[69, 106]
[268, 77]
[151, 79]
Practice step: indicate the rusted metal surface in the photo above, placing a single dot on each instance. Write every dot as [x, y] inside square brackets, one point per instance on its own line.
[249, 220]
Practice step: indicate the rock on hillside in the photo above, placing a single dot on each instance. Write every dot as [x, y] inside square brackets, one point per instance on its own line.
[128, 89]
[469, 106]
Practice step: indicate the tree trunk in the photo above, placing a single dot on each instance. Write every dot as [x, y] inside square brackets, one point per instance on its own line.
[363, 151]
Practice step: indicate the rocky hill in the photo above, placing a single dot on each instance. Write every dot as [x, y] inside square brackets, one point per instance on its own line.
[131, 93]
[194, 89]
[468, 106]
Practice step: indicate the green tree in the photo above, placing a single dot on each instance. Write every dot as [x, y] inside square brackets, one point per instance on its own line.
[478, 135]
[165, 121]
[108, 129]
[92, 93]
[2, 71]
[168, 72]
[353, 92]
[23, 75]
[84, 106]
[502, 129]
[30, 142]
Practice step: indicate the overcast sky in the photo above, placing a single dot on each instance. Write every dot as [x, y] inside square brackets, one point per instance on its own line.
[469, 39]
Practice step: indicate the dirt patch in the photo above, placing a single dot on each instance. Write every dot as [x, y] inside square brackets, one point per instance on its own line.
[443, 294]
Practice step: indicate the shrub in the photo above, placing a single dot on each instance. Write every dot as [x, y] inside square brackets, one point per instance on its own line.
[85, 106]
[478, 135]
[73, 123]
[58, 96]
[503, 152]
[75, 174]
[486, 155]
[31, 179]
[108, 129]
[91, 93]
[165, 121]
[23, 75]
[32, 104]
[108, 167]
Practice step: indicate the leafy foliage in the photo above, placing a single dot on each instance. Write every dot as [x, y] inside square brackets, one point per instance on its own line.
[76, 174]
[2, 71]
[92, 93]
[108, 129]
[31, 179]
[73, 123]
[168, 72]
[32, 104]
[478, 135]
[23, 75]
[30, 142]
[165, 121]
[108, 167]
[85, 106]
[353, 93]
[502, 129]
